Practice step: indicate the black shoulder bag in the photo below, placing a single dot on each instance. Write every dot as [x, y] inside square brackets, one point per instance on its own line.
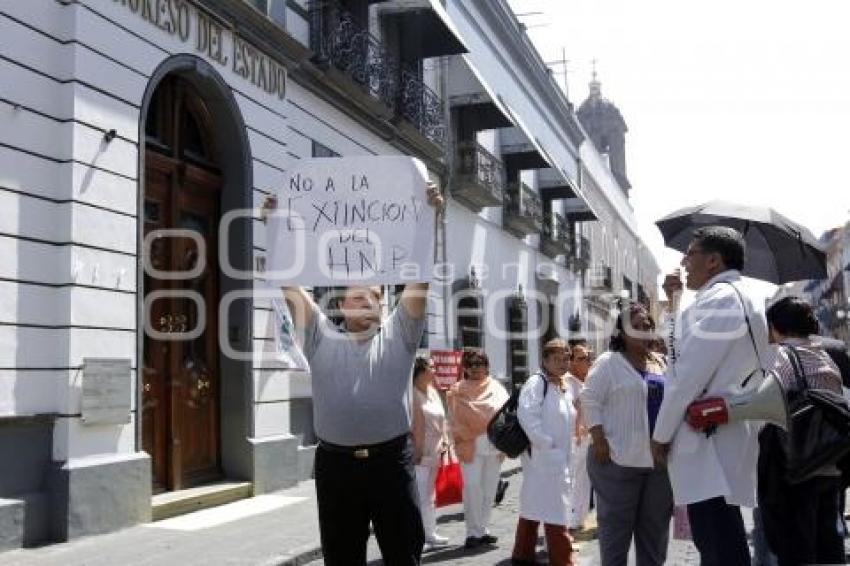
[504, 430]
[818, 427]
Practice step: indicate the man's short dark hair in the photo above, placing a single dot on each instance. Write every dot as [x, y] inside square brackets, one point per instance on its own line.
[420, 364]
[727, 242]
[792, 316]
[474, 355]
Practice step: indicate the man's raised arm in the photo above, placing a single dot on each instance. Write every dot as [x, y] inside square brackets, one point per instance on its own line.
[297, 299]
[300, 306]
[414, 299]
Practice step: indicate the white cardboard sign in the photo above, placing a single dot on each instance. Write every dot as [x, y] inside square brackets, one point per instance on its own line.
[352, 221]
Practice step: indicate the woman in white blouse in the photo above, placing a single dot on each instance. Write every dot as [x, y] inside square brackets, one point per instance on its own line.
[547, 415]
[430, 441]
[620, 402]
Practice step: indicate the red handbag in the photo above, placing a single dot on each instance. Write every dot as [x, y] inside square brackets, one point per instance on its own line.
[449, 482]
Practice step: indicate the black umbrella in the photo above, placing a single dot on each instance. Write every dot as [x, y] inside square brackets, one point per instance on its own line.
[778, 250]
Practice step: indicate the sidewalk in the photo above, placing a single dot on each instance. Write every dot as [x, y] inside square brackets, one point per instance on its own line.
[268, 530]
[279, 529]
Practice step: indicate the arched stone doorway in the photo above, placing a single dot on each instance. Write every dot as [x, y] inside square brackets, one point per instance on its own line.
[194, 407]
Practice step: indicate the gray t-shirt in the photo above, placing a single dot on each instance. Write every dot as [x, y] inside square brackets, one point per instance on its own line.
[361, 387]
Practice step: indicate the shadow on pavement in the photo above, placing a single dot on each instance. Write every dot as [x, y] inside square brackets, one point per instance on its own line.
[450, 518]
[455, 553]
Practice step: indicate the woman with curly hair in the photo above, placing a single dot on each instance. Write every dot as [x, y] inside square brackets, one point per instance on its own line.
[620, 403]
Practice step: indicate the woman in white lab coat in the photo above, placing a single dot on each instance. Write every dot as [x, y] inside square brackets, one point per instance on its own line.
[547, 415]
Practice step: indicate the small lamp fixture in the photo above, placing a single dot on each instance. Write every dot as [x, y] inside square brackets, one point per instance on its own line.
[519, 297]
[474, 282]
[110, 135]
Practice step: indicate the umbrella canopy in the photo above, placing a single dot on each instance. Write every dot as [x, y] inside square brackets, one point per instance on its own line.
[778, 249]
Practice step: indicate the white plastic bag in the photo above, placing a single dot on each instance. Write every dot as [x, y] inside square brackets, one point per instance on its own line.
[288, 351]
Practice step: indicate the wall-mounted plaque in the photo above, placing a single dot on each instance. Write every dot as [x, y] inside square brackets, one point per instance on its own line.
[106, 391]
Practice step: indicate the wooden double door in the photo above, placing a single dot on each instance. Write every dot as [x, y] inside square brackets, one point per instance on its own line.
[180, 389]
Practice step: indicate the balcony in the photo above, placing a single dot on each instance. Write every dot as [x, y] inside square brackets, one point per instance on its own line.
[340, 43]
[555, 238]
[423, 108]
[479, 177]
[369, 74]
[523, 213]
[601, 278]
[580, 258]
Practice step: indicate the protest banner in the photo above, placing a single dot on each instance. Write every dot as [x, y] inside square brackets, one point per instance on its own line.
[447, 368]
[352, 221]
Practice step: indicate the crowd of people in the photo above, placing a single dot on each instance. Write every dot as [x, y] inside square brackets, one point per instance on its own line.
[615, 426]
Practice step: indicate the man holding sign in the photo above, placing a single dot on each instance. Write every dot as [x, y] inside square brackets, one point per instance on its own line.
[361, 369]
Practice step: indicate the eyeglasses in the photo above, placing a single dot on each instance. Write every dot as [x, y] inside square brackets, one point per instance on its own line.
[694, 251]
[473, 365]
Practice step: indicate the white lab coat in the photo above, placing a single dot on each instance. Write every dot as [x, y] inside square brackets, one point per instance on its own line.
[545, 493]
[579, 479]
[714, 354]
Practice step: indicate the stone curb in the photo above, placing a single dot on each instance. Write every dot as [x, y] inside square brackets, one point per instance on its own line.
[299, 557]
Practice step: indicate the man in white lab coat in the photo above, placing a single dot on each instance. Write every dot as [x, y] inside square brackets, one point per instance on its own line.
[722, 336]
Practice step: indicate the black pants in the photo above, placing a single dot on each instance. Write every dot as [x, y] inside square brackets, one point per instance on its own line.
[718, 532]
[803, 526]
[380, 489]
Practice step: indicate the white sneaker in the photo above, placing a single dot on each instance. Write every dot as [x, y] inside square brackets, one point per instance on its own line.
[435, 542]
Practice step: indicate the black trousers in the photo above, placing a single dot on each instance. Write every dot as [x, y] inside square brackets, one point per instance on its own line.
[718, 532]
[803, 526]
[381, 489]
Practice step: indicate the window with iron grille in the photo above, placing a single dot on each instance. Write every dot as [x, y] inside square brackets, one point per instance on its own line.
[470, 321]
[551, 324]
[518, 361]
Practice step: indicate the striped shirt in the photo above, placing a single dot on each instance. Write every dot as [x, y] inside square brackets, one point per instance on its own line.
[819, 369]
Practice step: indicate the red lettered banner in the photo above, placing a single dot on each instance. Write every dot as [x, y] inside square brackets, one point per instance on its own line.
[447, 366]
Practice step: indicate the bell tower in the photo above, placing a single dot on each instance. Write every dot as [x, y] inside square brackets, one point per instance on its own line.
[607, 129]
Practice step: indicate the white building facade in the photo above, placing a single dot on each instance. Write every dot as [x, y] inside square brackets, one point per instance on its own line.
[138, 139]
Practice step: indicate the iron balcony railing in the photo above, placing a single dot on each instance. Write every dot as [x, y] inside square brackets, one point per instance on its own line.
[422, 107]
[580, 257]
[337, 39]
[556, 237]
[602, 278]
[480, 175]
[523, 209]
[555, 229]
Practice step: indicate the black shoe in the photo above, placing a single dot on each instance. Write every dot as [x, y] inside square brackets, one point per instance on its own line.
[472, 542]
[488, 539]
[500, 491]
